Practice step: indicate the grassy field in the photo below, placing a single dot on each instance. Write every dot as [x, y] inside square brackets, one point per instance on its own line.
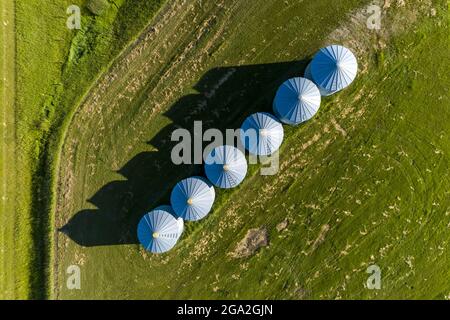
[7, 161]
[53, 68]
[365, 182]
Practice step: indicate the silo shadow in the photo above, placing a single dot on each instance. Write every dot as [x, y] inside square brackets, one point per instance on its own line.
[226, 96]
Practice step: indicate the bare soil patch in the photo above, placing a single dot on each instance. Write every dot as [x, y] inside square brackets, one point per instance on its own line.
[253, 240]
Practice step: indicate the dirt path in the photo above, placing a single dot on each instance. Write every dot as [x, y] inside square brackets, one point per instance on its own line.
[7, 171]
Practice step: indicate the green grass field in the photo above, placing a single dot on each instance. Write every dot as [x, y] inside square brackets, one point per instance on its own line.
[7, 163]
[370, 169]
[366, 181]
[54, 67]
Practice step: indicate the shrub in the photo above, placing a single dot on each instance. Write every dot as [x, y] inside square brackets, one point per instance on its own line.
[98, 7]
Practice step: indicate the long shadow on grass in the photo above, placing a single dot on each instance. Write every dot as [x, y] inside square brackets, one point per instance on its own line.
[226, 96]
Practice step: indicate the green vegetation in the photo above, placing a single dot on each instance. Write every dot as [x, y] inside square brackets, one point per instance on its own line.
[365, 182]
[54, 69]
[86, 149]
[8, 239]
[98, 7]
